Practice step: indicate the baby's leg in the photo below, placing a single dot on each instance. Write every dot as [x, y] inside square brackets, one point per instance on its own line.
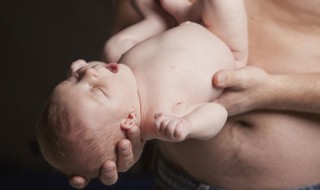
[172, 128]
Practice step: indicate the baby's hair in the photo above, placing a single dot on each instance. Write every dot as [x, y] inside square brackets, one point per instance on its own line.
[67, 144]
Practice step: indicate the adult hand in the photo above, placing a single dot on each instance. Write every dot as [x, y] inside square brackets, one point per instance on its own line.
[249, 88]
[129, 151]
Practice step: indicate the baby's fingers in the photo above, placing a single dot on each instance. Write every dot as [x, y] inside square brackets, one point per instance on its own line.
[161, 122]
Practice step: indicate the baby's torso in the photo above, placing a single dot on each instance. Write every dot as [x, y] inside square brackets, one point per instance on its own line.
[177, 66]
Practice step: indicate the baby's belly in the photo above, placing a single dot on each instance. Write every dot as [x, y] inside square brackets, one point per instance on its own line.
[257, 151]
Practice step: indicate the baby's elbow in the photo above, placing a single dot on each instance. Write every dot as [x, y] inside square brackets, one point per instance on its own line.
[116, 47]
[111, 50]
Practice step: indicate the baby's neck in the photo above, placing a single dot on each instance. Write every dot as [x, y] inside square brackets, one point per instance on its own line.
[145, 121]
[147, 129]
[147, 107]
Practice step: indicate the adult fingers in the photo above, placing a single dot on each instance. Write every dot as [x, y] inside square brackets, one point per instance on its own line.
[136, 142]
[108, 173]
[78, 182]
[229, 79]
[125, 155]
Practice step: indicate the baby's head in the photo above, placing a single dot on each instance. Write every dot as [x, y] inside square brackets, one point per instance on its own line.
[83, 118]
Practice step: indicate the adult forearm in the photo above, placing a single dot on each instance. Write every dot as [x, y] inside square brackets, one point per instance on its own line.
[296, 92]
[251, 88]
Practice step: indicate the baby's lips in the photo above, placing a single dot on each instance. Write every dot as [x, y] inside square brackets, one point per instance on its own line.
[113, 67]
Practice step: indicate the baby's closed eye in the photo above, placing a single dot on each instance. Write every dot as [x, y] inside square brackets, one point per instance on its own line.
[97, 90]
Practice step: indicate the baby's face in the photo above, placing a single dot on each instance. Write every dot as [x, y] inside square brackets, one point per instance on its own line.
[98, 93]
[99, 88]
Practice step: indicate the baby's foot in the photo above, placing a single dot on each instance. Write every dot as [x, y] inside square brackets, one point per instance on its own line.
[172, 128]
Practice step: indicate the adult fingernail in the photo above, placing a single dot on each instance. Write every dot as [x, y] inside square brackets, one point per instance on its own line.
[110, 169]
[221, 78]
[125, 147]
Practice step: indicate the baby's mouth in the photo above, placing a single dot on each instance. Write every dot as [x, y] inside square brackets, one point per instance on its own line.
[113, 67]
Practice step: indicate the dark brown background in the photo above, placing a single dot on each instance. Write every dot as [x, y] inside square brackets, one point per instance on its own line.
[38, 41]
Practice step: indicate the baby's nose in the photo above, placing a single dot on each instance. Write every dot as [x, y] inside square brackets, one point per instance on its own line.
[88, 72]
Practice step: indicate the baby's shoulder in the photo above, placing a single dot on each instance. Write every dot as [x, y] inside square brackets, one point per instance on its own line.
[191, 28]
[189, 32]
[191, 25]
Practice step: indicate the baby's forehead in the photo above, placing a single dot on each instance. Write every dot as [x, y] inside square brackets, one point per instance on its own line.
[61, 94]
[66, 103]
[61, 88]
[67, 90]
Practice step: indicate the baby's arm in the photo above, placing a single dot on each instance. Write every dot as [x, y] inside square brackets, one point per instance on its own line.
[203, 122]
[228, 20]
[225, 18]
[155, 20]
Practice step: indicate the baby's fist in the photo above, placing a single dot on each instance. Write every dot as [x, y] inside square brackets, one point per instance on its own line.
[171, 128]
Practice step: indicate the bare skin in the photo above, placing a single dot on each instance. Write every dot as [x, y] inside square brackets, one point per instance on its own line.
[267, 149]
[169, 110]
[271, 148]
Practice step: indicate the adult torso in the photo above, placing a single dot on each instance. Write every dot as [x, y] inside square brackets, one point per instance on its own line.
[265, 150]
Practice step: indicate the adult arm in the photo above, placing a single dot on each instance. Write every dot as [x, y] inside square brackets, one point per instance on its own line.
[251, 88]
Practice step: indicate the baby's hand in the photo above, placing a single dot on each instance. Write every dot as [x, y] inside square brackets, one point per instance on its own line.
[171, 128]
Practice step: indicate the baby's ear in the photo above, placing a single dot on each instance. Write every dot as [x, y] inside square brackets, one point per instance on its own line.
[129, 121]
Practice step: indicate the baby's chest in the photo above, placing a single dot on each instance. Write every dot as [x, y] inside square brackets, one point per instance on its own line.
[184, 84]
